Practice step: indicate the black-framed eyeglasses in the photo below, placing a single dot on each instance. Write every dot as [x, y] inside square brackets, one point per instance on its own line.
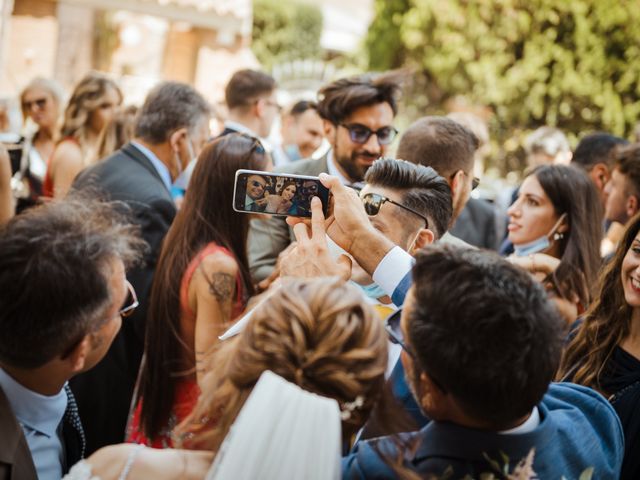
[360, 134]
[392, 327]
[255, 183]
[131, 303]
[373, 201]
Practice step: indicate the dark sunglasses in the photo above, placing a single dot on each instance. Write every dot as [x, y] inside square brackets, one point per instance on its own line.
[40, 103]
[258, 184]
[373, 201]
[475, 181]
[392, 326]
[359, 133]
[131, 303]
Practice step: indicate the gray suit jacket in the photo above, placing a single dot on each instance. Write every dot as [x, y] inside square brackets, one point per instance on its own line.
[15, 457]
[271, 235]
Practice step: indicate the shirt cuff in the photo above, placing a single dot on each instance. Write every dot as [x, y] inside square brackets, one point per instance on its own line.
[395, 265]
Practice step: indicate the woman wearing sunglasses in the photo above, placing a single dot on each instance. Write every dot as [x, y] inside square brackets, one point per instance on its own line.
[556, 234]
[201, 284]
[92, 105]
[41, 103]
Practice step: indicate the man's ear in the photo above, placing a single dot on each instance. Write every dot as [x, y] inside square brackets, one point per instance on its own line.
[329, 128]
[77, 357]
[176, 137]
[432, 399]
[425, 237]
[457, 184]
[600, 175]
[632, 205]
[258, 107]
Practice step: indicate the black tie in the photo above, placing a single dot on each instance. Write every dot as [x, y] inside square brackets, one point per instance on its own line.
[72, 419]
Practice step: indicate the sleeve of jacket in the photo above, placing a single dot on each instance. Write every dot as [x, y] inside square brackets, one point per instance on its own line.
[267, 238]
[364, 460]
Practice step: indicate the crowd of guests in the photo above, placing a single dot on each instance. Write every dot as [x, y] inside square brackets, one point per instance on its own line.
[157, 322]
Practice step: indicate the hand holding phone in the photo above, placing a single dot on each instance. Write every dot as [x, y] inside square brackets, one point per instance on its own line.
[283, 194]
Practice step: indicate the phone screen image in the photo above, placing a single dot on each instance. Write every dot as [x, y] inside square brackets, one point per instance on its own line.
[277, 194]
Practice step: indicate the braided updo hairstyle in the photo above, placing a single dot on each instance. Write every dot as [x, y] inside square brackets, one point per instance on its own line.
[317, 334]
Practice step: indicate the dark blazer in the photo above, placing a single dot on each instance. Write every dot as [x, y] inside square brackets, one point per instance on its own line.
[271, 235]
[578, 430]
[477, 224]
[15, 456]
[227, 131]
[104, 393]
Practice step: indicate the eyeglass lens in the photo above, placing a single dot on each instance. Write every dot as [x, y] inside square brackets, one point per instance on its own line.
[361, 134]
[372, 204]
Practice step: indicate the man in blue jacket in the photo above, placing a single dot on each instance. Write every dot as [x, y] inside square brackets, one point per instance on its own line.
[481, 344]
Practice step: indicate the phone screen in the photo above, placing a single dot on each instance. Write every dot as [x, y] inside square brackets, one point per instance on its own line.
[278, 193]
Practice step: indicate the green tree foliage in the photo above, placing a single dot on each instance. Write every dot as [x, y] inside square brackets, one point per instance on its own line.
[571, 64]
[285, 31]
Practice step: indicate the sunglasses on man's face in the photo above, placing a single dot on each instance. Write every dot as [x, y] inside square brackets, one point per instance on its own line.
[257, 184]
[392, 327]
[39, 103]
[360, 134]
[373, 202]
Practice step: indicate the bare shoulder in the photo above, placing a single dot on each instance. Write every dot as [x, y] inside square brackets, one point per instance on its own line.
[216, 276]
[219, 262]
[67, 153]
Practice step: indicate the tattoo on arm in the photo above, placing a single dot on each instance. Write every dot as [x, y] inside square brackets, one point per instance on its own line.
[222, 286]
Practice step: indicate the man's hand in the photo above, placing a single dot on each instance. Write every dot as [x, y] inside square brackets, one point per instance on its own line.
[311, 258]
[350, 228]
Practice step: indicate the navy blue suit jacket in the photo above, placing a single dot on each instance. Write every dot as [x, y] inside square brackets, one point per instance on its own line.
[578, 429]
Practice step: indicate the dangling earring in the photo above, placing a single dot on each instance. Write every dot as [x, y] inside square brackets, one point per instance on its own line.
[558, 236]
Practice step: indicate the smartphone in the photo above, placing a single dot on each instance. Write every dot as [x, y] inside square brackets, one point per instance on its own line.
[283, 194]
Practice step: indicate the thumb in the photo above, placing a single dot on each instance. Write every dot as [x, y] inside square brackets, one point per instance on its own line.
[344, 265]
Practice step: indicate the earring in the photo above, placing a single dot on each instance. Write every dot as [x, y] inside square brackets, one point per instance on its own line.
[558, 236]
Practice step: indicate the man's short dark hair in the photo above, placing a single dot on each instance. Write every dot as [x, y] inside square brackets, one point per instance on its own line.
[54, 264]
[439, 143]
[421, 188]
[302, 106]
[168, 107]
[340, 99]
[246, 86]
[484, 330]
[628, 164]
[595, 148]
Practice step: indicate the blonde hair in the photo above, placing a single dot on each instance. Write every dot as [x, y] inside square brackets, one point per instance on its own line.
[87, 96]
[118, 132]
[318, 334]
[49, 85]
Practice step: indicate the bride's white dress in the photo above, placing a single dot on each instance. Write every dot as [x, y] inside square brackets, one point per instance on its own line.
[281, 432]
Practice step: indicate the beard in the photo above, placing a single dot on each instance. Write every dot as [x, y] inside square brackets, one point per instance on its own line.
[350, 165]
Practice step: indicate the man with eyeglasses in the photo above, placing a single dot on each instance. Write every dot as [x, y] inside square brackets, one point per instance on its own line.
[357, 115]
[481, 344]
[64, 293]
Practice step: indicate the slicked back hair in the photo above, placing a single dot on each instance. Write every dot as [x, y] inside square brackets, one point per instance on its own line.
[497, 350]
[421, 188]
[340, 99]
[439, 143]
[54, 276]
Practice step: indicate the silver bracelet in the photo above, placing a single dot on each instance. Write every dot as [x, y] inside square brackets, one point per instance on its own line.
[130, 461]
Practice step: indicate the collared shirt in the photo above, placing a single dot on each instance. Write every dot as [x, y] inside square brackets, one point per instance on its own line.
[392, 269]
[160, 167]
[238, 127]
[249, 202]
[40, 417]
[529, 425]
[333, 169]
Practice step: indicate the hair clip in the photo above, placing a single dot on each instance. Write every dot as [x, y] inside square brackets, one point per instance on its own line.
[348, 407]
